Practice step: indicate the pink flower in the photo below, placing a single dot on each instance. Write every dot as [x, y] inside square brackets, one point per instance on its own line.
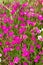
[0, 43]
[40, 17]
[31, 23]
[17, 40]
[9, 27]
[26, 53]
[1, 6]
[42, 9]
[25, 13]
[24, 45]
[11, 63]
[38, 30]
[31, 9]
[15, 7]
[28, 15]
[31, 49]
[41, 52]
[7, 49]
[25, 36]
[0, 55]
[22, 24]
[21, 13]
[17, 47]
[40, 38]
[13, 42]
[22, 30]
[1, 35]
[33, 14]
[16, 26]
[25, 4]
[5, 29]
[11, 33]
[21, 19]
[37, 59]
[38, 46]
[25, 63]
[42, 61]
[7, 43]
[24, 49]
[16, 59]
[13, 11]
[9, 58]
[33, 38]
[5, 20]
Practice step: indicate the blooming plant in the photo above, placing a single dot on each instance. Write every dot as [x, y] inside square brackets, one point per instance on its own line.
[21, 32]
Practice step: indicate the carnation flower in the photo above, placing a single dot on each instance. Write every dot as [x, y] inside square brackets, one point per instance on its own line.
[40, 38]
[0, 43]
[16, 59]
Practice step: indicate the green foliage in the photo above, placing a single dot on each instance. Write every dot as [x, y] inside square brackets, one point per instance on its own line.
[6, 1]
[15, 53]
[39, 63]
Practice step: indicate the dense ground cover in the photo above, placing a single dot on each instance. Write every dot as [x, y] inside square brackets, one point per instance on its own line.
[21, 32]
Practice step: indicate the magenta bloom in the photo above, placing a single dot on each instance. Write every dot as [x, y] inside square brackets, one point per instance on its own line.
[25, 4]
[16, 26]
[0, 55]
[23, 25]
[5, 20]
[5, 29]
[31, 49]
[13, 11]
[25, 52]
[38, 30]
[31, 23]
[41, 52]
[42, 9]
[40, 17]
[17, 47]
[15, 7]
[21, 19]
[7, 43]
[38, 46]
[16, 59]
[37, 59]
[17, 40]
[10, 34]
[33, 38]
[11, 63]
[25, 63]
[1, 35]
[22, 30]
[25, 36]
[31, 9]
[0, 43]
[7, 49]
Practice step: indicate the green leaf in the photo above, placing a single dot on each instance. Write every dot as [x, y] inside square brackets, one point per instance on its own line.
[1, 1]
[39, 63]
[15, 53]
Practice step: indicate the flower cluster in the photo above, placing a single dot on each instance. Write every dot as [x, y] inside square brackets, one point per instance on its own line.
[21, 33]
